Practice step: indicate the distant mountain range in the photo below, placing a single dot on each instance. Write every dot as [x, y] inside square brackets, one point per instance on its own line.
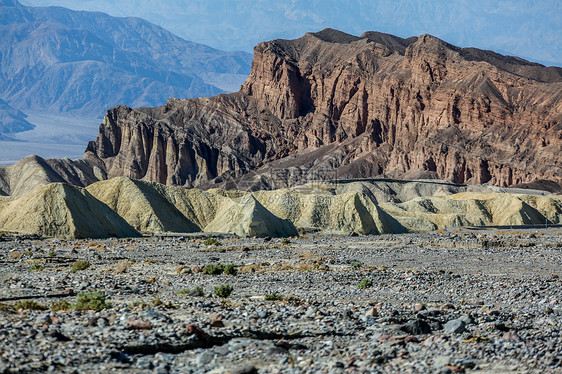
[529, 29]
[63, 61]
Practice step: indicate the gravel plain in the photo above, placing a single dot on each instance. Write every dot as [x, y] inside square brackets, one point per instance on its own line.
[444, 302]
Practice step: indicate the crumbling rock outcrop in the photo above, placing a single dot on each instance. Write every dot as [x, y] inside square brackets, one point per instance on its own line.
[356, 106]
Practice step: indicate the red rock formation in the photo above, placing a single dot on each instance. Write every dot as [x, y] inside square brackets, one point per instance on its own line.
[361, 106]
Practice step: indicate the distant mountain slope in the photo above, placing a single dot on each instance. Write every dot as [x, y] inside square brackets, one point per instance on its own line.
[529, 29]
[11, 120]
[60, 60]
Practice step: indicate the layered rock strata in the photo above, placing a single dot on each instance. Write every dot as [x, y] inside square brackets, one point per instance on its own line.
[354, 106]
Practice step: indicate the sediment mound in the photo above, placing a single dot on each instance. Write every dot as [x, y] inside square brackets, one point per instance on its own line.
[120, 206]
[143, 205]
[330, 213]
[61, 211]
[155, 208]
[34, 171]
[245, 216]
[476, 209]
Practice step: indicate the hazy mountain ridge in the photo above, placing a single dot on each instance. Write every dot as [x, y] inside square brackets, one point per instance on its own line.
[518, 27]
[60, 60]
[12, 120]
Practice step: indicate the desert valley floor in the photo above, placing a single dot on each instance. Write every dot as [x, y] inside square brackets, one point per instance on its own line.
[444, 302]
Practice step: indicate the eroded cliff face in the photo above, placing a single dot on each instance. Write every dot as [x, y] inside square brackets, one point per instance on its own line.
[185, 142]
[360, 106]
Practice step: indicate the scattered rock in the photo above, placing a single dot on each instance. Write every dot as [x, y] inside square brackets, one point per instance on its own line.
[455, 326]
[416, 327]
[138, 325]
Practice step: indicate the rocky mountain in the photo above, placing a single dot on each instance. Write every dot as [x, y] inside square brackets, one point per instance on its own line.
[351, 106]
[59, 60]
[334, 105]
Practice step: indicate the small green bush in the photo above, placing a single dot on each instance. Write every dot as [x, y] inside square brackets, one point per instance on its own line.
[212, 269]
[79, 265]
[356, 264]
[273, 297]
[229, 269]
[61, 305]
[285, 241]
[29, 305]
[36, 267]
[52, 254]
[212, 241]
[224, 290]
[365, 283]
[91, 301]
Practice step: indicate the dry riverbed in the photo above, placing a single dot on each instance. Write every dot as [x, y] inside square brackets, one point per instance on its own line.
[463, 301]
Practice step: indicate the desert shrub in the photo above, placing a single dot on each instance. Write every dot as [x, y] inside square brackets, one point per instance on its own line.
[285, 241]
[273, 297]
[29, 305]
[197, 291]
[182, 269]
[52, 254]
[138, 304]
[212, 241]
[365, 283]
[229, 269]
[79, 265]
[61, 305]
[224, 290]
[212, 269]
[91, 301]
[36, 267]
[356, 264]
[122, 266]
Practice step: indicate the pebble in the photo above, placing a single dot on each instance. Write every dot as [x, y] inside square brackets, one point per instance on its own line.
[204, 358]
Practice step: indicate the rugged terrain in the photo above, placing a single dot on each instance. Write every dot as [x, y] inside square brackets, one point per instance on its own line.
[59, 60]
[481, 301]
[334, 103]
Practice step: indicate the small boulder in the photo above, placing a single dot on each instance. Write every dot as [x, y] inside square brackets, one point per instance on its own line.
[416, 327]
[455, 326]
[216, 320]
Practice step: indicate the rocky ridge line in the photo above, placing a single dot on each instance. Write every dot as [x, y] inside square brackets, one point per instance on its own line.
[357, 106]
